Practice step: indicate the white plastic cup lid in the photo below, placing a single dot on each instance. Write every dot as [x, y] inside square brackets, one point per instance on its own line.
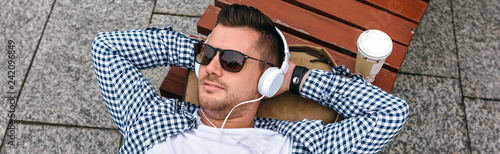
[374, 44]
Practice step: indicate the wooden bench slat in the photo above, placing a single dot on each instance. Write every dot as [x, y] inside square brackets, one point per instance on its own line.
[412, 10]
[384, 79]
[363, 16]
[174, 84]
[318, 29]
[208, 20]
[177, 75]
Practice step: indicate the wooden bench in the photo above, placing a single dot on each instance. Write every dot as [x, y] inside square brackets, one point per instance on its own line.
[334, 25]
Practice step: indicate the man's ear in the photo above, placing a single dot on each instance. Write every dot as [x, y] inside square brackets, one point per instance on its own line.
[197, 69]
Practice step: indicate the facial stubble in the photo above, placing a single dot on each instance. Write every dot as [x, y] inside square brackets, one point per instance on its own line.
[218, 108]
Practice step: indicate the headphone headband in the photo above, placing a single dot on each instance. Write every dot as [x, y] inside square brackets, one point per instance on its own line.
[284, 66]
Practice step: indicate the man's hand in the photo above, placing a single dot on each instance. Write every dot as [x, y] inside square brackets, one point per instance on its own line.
[288, 77]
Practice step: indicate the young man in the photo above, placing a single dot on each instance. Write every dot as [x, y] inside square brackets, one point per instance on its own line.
[241, 47]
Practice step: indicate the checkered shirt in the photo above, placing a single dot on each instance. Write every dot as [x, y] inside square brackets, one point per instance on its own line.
[144, 119]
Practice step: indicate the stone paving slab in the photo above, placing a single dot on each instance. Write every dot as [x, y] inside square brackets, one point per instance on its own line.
[185, 25]
[61, 139]
[477, 26]
[155, 76]
[22, 23]
[484, 127]
[436, 122]
[61, 86]
[432, 50]
[183, 7]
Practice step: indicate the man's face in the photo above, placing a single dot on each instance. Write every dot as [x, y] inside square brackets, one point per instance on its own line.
[220, 90]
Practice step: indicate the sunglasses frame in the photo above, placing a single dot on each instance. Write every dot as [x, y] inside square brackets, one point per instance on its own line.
[201, 45]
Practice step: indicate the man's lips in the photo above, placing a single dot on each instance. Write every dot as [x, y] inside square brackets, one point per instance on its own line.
[212, 86]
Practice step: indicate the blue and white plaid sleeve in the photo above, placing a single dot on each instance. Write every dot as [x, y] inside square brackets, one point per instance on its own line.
[374, 116]
[117, 58]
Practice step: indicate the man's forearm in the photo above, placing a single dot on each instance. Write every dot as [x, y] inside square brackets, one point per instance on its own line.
[147, 48]
[117, 58]
[374, 116]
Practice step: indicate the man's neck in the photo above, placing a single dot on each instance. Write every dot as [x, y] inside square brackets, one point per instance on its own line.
[246, 120]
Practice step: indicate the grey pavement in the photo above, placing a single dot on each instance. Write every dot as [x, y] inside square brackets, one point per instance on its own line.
[450, 76]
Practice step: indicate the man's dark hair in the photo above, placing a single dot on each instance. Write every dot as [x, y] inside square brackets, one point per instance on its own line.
[270, 44]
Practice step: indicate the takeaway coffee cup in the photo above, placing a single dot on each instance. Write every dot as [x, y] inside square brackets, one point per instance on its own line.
[374, 46]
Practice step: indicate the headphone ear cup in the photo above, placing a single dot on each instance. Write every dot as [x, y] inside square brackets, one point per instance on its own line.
[270, 81]
[197, 69]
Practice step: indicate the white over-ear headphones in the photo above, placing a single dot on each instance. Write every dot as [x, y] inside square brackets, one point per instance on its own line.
[271, 80]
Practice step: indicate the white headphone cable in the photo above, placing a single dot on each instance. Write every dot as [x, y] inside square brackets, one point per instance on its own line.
[246, 102]
[221, 128]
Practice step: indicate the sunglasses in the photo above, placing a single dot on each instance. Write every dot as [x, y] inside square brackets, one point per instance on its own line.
[230, 60]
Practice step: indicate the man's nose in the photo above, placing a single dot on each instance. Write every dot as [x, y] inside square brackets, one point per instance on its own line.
[214, 66]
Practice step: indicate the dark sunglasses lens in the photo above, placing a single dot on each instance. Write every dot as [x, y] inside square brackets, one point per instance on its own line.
[232, 61]
[205, 55]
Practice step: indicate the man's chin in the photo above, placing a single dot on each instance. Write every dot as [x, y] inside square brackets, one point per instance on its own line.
[214, 107]
[207, 100]
[210, 99]
[211, 95]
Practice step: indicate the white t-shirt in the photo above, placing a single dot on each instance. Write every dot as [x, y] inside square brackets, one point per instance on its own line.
[207, 139]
